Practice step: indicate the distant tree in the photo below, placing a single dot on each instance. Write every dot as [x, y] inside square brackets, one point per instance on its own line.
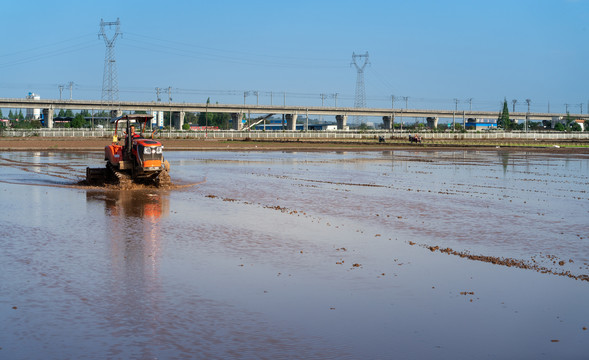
[221, 120]
[559, 127]
[78, 121]
[186, 126]
[575, 126]
[535, 125]
[20, 115]
[504, 120]
[69, 113]
[61, 113]
[10, 115]
[1, 116]
[363, 127]
[190, 118]
[586, 125]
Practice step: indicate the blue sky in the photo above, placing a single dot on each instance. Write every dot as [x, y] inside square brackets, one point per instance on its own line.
[430, 51]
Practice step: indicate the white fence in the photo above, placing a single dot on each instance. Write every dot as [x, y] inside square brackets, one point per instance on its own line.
[491, 135]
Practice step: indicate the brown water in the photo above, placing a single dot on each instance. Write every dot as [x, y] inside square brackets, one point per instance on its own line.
[298, 255]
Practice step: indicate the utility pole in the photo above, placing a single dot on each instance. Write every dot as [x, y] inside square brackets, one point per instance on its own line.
[157, 94]
[392, 101]
[71, 84]
[406, 98]
[60, 90]
[566, 106]
[456, 101]
[528, 113]
[170, 102]
[529, 102]
[514, 101]
[469, 104]
[323, 96]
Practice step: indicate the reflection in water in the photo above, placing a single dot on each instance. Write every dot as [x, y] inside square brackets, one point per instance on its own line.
[135, 231]
[504, 160]
[141, 204]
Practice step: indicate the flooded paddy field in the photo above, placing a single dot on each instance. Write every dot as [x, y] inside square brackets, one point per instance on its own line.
[327, 255]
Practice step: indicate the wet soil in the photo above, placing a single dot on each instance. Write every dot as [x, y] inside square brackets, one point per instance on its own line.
[98, 144]
[298, 254]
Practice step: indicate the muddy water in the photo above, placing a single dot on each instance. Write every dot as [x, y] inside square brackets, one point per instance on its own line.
[298, 255]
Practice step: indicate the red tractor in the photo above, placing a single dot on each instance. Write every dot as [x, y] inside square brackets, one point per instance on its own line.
[138, 159]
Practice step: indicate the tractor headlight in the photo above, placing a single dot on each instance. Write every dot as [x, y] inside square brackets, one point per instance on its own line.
[158, 150]
[147, 150]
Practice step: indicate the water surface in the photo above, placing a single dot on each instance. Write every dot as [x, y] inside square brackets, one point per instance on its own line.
[297, 255]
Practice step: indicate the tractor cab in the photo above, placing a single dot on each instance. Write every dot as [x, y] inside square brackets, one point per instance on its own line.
[141, 156]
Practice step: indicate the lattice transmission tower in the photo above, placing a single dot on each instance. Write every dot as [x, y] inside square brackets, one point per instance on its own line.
[110, 84]
[360, 100]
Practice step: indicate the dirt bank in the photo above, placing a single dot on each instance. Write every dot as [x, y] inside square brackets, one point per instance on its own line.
[97, 144]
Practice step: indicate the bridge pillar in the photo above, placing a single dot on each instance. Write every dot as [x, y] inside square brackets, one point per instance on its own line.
[178, 119]
[236, 119]
[291, 121]
[341, 121]
[387, 122]
[48, 118]
[432, 122]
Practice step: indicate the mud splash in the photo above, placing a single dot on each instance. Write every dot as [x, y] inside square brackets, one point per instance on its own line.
[72, 176]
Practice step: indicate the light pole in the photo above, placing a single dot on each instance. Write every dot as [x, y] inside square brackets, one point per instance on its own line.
[528, 113]
[514, 101]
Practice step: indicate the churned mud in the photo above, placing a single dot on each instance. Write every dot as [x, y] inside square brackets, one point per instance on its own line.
[72, 176]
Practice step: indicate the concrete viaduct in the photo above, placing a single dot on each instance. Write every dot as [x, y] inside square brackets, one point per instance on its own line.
[237, 111]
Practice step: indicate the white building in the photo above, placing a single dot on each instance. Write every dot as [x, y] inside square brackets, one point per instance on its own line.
[34, 114]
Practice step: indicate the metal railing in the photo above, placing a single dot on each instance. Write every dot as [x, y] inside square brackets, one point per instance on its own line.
[259, 134]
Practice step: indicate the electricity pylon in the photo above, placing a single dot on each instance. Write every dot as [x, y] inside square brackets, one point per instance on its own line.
[110, 85]
[360, 100]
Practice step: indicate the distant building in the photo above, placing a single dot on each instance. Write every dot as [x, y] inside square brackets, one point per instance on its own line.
[34, 114]
[480, 124]
[563, 120]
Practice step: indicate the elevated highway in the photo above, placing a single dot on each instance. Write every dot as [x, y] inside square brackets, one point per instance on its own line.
[238, 110]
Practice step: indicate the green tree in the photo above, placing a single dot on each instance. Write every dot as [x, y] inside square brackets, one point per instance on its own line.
[363, 127]
[78, 121]
[504, 120]
[586, 125]
[1, 116]
[575, 126]
[186, 126]
[10, 115]
[559, 127]
[535, 125]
